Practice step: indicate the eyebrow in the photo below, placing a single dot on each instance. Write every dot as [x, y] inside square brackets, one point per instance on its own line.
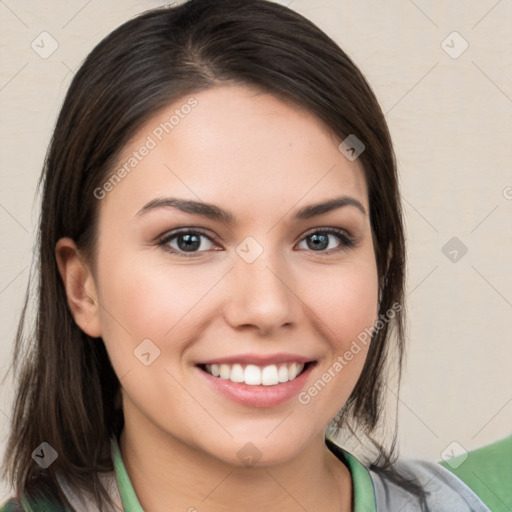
[214, 212]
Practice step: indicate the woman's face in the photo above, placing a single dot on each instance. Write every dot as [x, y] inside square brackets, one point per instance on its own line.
[256, 284]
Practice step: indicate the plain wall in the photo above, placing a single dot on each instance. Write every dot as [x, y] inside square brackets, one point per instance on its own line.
[450, 119]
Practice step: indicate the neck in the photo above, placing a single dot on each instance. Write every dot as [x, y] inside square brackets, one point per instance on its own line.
[168, 474]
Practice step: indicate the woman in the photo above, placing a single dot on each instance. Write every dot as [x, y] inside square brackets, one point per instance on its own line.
[221, 275]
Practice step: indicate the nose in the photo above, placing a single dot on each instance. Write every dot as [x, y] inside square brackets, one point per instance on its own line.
[261, 295]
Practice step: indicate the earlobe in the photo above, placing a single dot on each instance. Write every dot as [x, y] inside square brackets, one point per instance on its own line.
[80, 288]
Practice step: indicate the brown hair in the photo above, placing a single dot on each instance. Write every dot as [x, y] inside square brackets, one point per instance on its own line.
[67, 392]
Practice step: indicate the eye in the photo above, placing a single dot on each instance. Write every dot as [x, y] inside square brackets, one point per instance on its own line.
[191, 243]
[186, 243]
[320, 240]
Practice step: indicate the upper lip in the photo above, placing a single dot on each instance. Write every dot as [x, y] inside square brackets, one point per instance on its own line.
[259, 359]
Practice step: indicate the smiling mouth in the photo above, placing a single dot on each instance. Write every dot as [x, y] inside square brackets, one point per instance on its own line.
[254, 375]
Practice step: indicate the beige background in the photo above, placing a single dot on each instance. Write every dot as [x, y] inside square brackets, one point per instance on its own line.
[450, 118]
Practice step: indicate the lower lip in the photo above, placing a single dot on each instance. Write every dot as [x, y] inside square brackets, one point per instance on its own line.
[258, 396]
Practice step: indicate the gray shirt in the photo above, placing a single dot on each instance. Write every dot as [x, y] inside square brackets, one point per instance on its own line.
[445, 492]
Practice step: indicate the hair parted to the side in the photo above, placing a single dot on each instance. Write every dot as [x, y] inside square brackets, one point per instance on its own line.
[67, 392]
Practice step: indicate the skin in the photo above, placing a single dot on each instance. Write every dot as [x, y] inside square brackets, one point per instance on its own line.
[263, 159]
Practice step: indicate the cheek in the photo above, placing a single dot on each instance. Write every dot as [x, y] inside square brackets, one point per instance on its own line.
[345, 300]
[142, 299]
[344, 303]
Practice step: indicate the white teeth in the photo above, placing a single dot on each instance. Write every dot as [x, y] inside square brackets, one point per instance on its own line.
[254, 375]
[293, 371]
[269, 376]
[237, 373]
[282, 373]
[225, 371]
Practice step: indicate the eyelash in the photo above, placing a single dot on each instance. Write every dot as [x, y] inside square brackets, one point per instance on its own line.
[347, 242]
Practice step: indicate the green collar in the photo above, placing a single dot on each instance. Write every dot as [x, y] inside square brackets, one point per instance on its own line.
[364, 495]
[128, 496]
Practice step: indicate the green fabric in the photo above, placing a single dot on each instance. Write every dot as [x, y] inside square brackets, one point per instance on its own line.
[10, 506]
[364, 493]
[41, 505]
[488, 472]
[128, 496]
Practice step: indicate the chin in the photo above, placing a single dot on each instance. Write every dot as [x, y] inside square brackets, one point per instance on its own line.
[261, 449]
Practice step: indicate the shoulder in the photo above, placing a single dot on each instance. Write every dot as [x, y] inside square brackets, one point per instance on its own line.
[487, 471]
[495, 458]
[444, 492]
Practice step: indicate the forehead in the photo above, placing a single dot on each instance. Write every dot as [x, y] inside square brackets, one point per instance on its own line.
[235, 145]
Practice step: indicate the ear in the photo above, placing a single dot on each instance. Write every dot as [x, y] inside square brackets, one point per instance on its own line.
[80, 287]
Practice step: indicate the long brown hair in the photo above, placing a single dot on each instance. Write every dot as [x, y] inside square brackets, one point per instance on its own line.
[67, 392]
